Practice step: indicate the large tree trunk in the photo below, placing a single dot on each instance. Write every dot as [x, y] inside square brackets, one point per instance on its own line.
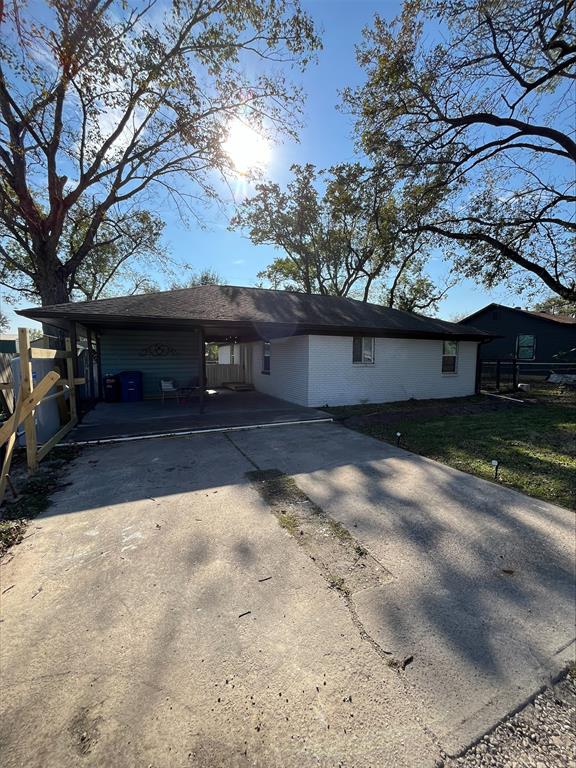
[52, 285]
[52, 280]
[54, 291]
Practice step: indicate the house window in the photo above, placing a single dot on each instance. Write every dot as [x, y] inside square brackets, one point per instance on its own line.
[363, 350]
[525, 346]
[449, 357]
[232, 354]
[266, 357]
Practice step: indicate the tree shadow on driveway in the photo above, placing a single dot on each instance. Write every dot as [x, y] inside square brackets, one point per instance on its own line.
[483, 591]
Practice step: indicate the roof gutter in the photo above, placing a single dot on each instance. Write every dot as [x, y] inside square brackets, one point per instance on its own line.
[262, 330]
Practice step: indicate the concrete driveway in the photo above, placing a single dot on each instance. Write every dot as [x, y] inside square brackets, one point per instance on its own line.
[140, 625]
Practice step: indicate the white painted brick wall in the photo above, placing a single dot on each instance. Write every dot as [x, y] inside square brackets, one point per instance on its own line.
[288, 377]
[403, 368]
[318, 370]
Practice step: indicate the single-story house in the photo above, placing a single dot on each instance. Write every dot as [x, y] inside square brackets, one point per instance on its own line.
[525, 335]
[308, 349]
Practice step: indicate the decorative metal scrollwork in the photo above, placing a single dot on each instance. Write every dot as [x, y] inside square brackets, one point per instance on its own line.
[158, 350]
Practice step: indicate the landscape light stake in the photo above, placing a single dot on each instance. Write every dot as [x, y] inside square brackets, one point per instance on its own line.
[398, 436]
[495, 465]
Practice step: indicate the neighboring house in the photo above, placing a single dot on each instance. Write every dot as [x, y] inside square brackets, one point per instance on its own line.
[8, 343]
[309, 349]
[536, 337]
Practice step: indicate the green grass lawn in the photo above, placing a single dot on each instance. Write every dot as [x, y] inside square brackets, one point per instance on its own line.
[534, 443]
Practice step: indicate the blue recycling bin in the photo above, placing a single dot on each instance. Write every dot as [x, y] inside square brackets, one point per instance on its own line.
[130, 386]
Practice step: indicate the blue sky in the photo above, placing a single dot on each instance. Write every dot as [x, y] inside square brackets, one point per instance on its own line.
[325, 139]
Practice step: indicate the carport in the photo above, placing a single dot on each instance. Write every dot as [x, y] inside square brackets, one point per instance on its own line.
[156, 347]
[137, 333]
[223, 409]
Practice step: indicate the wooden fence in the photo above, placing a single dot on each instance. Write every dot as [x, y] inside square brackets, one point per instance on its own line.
[7, 380]
[29, 397]
[507, 374]
[221, 373]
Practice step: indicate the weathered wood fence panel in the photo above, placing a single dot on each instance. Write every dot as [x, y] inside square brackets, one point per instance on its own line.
[30, 397]
[7, 380]
[218, 374]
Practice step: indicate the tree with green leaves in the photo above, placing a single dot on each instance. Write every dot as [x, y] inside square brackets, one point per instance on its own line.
[483, 121]
[108, 107]
[125, 248]
[343, 240]
[554, 305]
[201, 277]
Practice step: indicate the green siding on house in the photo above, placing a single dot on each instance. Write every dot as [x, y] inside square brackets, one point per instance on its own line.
[158, 354]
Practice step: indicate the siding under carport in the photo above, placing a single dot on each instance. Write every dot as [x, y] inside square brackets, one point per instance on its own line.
[158, 354]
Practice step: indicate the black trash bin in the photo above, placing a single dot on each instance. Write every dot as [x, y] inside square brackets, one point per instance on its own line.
[111, 388]
[130, 386]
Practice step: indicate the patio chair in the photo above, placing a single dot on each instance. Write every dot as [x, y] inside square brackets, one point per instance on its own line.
[189, 390]
[168, 387]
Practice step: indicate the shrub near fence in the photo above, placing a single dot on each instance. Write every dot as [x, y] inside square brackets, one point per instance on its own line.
[507, 374]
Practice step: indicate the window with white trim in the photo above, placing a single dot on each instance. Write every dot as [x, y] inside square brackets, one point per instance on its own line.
[525, 346]
[363, 350]
[449, 357]
[266, 349]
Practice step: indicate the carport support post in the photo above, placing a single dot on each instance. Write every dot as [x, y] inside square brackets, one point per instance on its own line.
[202, 343]
[74, 348]
[71, 380]
[99, 366]
[91, 365]
[72, 371]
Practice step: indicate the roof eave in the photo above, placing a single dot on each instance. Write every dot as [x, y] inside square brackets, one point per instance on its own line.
[528, 312]
[273, 328]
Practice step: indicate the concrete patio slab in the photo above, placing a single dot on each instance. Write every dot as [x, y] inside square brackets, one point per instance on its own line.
[223, 408]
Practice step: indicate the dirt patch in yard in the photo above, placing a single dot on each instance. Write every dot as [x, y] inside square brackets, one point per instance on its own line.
[33, 493]
[344, 562]
[429, 409]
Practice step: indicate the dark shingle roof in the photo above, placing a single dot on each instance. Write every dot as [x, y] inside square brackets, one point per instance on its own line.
[562, 319]
[214, 305]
